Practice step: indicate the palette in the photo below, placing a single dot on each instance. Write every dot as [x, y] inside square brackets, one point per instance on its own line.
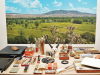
[84, 69]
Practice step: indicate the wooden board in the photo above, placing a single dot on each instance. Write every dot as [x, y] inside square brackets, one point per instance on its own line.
[84, 69]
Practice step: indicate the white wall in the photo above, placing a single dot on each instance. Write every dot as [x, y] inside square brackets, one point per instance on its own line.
[97, 43]
[3, 32]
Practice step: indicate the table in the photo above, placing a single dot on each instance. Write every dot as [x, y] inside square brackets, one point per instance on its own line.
[32, 67]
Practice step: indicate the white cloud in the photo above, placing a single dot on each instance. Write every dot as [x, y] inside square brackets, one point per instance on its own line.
[44, 10]
[24, 3]
[82, 9]
[36, 11]
[84, 3]
[17, 1]
[79, 0]
[36, 4]
[13, 10]
[95, 8]
[71, 5]
[57, 3]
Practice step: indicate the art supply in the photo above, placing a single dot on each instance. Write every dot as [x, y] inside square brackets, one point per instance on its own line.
[86, 55]
[33, 60]
[98, 56]
[47, 60]
[54, 66]
[29, 51]
[49, 65]
[64, 62]
[26, 68]
[5, 66]
[36, 71]
[26, 62]
[14, 70]
[64, 69]
[42, 66]
[38, 61]
[85, 69]
[17, 60]
[42, 43]
[15, 65]
[50, 71]
[91, 62]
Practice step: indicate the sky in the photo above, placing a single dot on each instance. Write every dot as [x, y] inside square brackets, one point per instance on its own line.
[43, 6]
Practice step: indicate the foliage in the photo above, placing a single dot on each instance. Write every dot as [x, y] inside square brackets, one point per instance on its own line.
[20, 40]
[15, 24]
[21, 31]
[74, 38]
[77, 21]
[89, 37]
[31, 39]
[36, 23]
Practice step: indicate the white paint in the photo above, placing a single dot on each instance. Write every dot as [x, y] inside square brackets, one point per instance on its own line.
[3, 32]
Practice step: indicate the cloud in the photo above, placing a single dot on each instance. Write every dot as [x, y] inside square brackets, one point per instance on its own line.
[24, 3]
[36, 11]
[82, 9]
[13, 10]
[36, 4]
[95, 8]
[71, 5]
[17, 1]
[84, 3]
[44, 10]
[79, 0]
[57, 3]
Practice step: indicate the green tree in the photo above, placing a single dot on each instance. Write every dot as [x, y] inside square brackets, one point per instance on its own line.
[77, 21]
[21, 31]
[36, 23]
[26, 24]
[31, 39]
[89, 37]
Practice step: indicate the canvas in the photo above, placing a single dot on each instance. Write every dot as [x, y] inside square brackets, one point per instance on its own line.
[29, 19]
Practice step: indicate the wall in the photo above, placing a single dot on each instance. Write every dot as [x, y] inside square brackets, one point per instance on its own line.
[3, 32]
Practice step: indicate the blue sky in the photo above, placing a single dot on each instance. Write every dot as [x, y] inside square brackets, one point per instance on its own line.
[43, 6]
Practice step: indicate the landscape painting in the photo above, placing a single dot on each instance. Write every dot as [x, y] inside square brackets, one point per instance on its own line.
[73, 20]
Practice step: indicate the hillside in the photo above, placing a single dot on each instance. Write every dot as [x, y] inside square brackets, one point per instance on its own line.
[55, 13]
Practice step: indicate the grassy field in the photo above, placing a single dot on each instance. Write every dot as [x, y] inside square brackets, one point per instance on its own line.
[15, 25]
[44, 28]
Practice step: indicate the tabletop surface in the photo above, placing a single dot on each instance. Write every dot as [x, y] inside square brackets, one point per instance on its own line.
[59, 66]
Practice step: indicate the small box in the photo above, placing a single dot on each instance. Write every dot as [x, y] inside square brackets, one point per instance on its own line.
[38, 72]
[29, 52]
[50, 71]
[42, 66]
[26, 61]
[63, 56]
[49, 65]
[54, 65]
[17, 60]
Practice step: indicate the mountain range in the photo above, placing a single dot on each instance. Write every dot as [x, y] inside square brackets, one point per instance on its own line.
[54, 13]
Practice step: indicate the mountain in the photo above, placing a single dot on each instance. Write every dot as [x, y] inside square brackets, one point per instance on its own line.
[55, 13]
[71, 13]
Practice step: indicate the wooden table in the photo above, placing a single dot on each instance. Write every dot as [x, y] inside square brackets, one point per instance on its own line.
[31, 67]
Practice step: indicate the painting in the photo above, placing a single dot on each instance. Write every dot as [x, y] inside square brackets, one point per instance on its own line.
[72, 20]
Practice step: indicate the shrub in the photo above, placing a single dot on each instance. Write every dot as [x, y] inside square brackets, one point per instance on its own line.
[88, 36]
[77, 21]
